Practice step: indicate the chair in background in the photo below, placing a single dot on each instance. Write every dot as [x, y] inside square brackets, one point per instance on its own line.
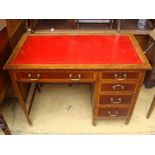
[109, 22]
[149, 81]
[151, 45]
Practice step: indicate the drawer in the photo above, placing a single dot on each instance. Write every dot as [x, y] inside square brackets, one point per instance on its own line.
[112, 112]
[38, 76]
[120, 76]
[115, 99]
[117, 87]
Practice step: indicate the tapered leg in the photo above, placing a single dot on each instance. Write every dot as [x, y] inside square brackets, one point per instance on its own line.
[95, 100]
[38, 87]
[94, 122]
[127, 121]
[151, 108]
[6, 130]
[21, 100]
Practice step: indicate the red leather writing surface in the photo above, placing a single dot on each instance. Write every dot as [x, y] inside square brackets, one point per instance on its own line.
[77, 49]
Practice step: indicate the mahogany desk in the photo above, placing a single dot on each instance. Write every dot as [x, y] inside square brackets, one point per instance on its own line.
[113, 63]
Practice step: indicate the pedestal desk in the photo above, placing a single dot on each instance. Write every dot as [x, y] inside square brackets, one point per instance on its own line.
[113, 64]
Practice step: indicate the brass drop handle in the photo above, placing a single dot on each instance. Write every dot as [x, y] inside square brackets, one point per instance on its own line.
[30, 77]
[118, 86]
[114, 101]
[113, 114]
[120, 76]
[75, 79]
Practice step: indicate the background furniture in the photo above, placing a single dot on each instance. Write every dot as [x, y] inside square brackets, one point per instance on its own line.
[150, 53]
[132, 24]
[5, 51]
[10, 32]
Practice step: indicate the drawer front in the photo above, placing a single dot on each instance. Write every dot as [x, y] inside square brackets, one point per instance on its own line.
[120, 76]
[112, 112]
[72, 76]
[117, 87]
[115, 99]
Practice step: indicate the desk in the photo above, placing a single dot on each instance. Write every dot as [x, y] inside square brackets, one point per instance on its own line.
[113, 63]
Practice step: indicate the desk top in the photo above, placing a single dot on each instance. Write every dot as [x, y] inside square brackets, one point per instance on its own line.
[86, 49]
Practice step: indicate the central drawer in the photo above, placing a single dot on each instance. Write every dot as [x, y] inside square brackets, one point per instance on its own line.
[54, 75]
[117, 87]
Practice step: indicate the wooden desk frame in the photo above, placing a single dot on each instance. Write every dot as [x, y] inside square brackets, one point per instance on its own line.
[92, 73]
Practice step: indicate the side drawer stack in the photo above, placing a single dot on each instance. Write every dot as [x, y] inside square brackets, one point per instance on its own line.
[116, 93]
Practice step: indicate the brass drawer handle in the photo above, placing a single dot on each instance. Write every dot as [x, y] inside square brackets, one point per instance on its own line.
[117, 87]
[75, 79]
[116, 102]
[32, 78]
[120, 77]
[113, 114]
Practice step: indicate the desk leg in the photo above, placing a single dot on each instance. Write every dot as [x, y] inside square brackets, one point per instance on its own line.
[6, 130]
[22, 102]
[151, 108]
[95, 100]
[94, 122]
